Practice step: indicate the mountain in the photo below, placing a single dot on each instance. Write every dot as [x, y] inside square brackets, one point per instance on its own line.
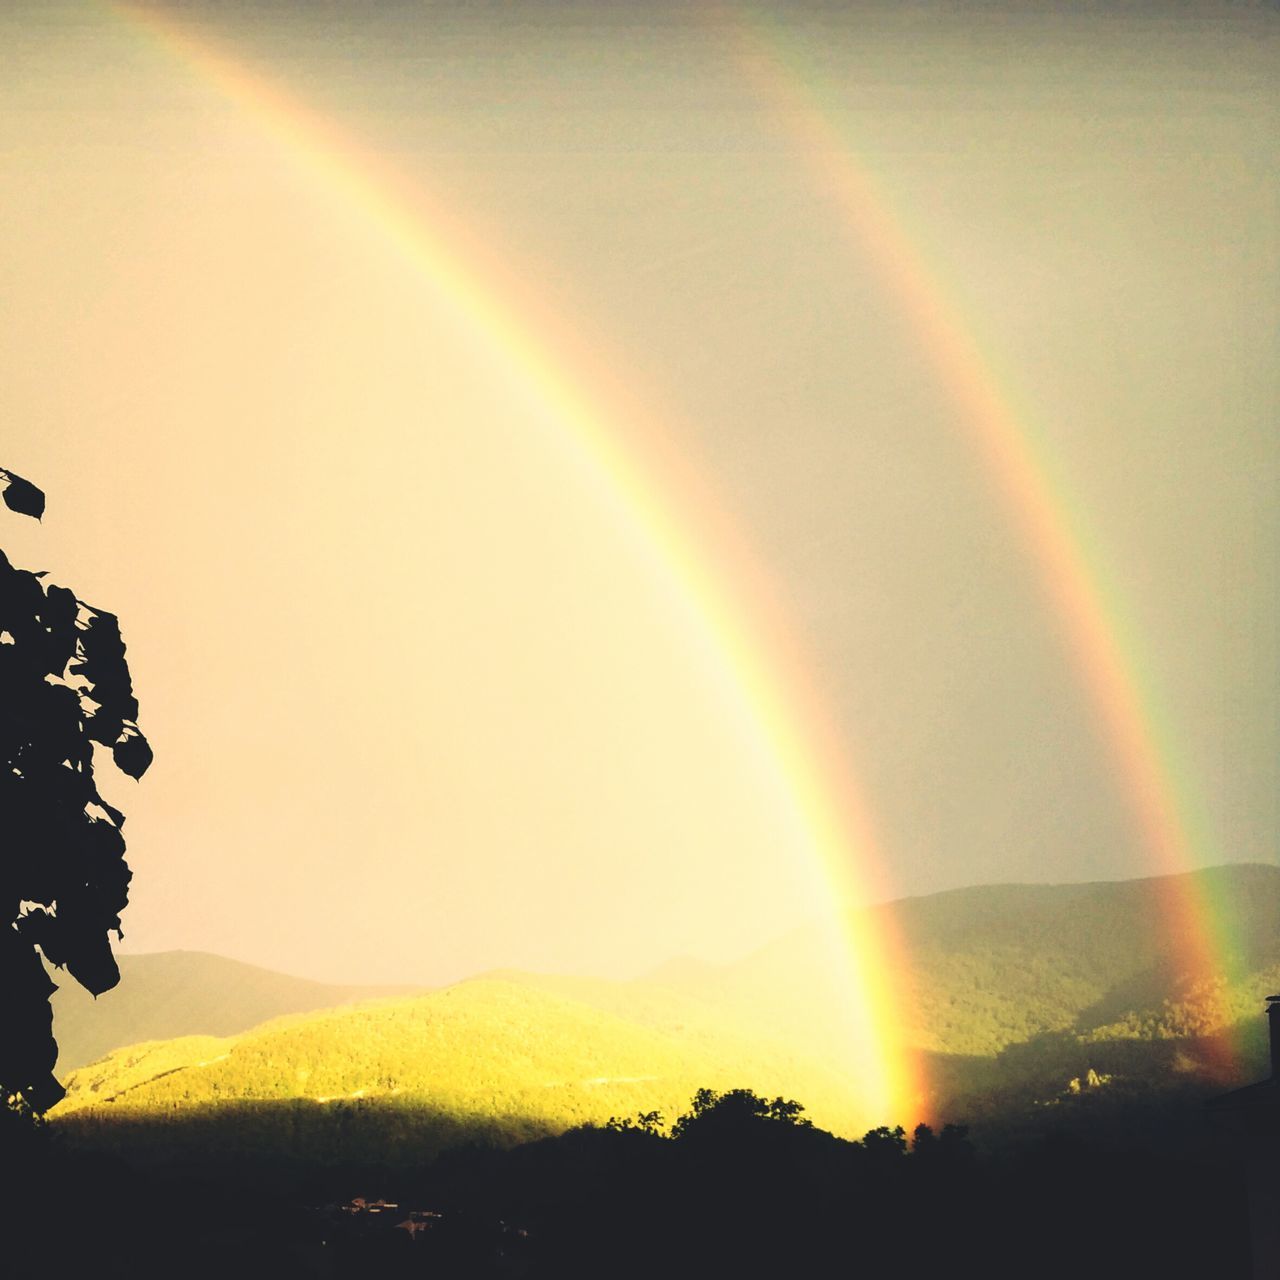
[495, 1055]
[179, 993]
[1022, 999]
[996, 965]
[1014, 992]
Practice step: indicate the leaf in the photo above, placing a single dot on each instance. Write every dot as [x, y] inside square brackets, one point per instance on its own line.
[76, 939]
[102, 663]
[94, 967]
[22, 496]
[114, 814]
[132, 753]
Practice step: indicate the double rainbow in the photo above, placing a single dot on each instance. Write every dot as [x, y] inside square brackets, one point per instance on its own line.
[712, 579]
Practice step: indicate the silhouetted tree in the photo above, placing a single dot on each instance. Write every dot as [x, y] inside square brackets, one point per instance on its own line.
[885, 1143]
[951, 1148]
[649, 1122]
[735, 1111]
[64, 687]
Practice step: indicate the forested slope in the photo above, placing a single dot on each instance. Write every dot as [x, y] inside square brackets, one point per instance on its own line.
[181, 993]
[1015, 995]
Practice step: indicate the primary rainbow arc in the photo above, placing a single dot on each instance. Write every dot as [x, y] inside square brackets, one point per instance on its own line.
[663, 503]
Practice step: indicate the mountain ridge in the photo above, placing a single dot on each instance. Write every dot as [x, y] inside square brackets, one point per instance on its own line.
[1019, 993]
[166, 994]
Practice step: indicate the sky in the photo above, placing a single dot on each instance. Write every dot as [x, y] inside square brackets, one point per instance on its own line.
[520, 475]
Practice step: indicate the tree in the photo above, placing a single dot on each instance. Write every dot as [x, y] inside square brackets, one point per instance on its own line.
[646, 1122]
[64, 689]
[736, 1111]
[886, 1144]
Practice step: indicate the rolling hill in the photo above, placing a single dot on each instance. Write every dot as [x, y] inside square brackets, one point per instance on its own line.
[996, 965]
[180, 993]
[1018, 991]
[489, 1055]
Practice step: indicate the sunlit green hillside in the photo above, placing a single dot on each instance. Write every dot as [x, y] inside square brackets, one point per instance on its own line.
[488, 1050]
[181, 993]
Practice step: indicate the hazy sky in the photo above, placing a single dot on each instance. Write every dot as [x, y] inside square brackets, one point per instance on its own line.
[421, 701]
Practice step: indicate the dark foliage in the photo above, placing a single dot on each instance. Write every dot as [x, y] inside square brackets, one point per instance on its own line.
[22, 496]
[745, 1189]
[64, 687]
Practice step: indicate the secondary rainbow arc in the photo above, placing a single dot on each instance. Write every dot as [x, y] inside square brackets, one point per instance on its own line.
[1038, 509]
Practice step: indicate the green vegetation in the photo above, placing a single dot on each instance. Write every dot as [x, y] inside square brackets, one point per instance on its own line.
[185, 993]
[997, 966]
[492, 1056]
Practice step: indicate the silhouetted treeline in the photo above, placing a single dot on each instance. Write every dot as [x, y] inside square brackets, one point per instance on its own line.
[737, 1186]
[747, 1188]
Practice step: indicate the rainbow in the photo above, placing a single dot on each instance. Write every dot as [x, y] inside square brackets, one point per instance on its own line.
[713, 581]
[1103, 647]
